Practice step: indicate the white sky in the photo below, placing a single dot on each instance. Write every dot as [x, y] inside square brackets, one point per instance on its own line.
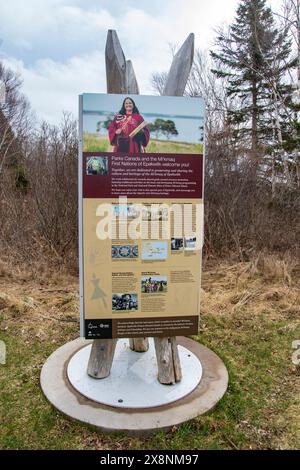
[58, 45]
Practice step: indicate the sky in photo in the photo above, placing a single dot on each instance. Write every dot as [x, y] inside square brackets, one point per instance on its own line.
[58, 45]
[187, 113]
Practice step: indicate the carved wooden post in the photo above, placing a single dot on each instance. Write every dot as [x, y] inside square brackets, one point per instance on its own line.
[169, 369]
[180, 68]
[121, 79]
[101, 358]
[103, 350]
[136, 344]
[115, 64]
[132, 84]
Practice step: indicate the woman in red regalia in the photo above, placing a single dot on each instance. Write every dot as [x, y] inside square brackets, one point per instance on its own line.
[124, 124]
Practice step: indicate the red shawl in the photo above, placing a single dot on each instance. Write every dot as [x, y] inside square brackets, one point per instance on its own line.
[128, 123]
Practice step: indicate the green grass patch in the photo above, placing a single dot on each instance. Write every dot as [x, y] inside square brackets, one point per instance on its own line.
[100, 143]
[257, 355]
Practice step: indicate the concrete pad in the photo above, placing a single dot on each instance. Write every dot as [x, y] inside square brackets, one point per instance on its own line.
[132, 382]
[63, 396]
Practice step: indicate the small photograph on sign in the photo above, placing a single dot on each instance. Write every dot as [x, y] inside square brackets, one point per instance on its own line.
[151, 212]
[190, 243]
[124, 251]
[154, 285]
[137, 124]
[154, 250]
[97, 166]
[176, 244]
[124, 302]
[129, 211]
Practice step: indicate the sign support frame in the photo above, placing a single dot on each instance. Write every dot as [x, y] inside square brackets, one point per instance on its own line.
[121, 79]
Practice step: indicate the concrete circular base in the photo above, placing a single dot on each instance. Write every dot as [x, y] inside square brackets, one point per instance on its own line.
[132, 382]
[68, 400]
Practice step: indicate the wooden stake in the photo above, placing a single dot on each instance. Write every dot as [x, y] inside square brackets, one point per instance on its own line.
[101, 358]
[115, 64]
[136, 344]
[168, 361]
[180, 68]
[139, 344]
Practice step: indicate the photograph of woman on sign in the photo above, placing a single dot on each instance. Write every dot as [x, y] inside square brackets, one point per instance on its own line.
[128, 131]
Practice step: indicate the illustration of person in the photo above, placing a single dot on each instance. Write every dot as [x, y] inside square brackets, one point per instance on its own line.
[98, 292]
[123, 124]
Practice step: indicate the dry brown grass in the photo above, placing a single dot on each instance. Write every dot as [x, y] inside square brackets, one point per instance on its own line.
[266, 284]
[37, 300]
[271, 267]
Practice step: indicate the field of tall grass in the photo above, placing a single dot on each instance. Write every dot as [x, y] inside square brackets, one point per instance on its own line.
[100, 143]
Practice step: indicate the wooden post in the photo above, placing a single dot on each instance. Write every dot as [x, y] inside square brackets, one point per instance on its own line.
[168, 361]
[121, 79]
[115, 64]
[180, 68]
[102, 353]
[101, 358]
[132, 84]
[169, 369]
[136, 344]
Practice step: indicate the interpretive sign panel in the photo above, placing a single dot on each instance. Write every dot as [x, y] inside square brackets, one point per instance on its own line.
[140, 214]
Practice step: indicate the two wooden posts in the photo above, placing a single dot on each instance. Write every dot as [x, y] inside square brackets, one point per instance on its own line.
[121, 79]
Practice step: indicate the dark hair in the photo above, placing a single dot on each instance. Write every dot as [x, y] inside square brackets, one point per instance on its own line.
[134, 111]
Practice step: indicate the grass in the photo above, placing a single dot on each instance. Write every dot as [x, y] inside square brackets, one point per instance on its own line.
[99, 143]
[250, 316]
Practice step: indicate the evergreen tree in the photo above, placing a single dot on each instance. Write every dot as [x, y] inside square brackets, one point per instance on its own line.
[253, 58]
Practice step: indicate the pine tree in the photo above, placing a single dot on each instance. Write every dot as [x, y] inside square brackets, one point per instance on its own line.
[253, 57]
[291, 127]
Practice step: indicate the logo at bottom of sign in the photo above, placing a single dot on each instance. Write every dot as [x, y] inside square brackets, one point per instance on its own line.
[98, 329]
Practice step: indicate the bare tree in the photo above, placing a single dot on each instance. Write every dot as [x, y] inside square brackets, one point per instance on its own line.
[53, 176]
[15, 120]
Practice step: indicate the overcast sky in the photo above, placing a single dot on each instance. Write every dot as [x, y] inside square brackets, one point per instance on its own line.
[58, 45]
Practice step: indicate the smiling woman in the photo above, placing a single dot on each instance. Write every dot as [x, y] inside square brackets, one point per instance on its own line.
[128, 131]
